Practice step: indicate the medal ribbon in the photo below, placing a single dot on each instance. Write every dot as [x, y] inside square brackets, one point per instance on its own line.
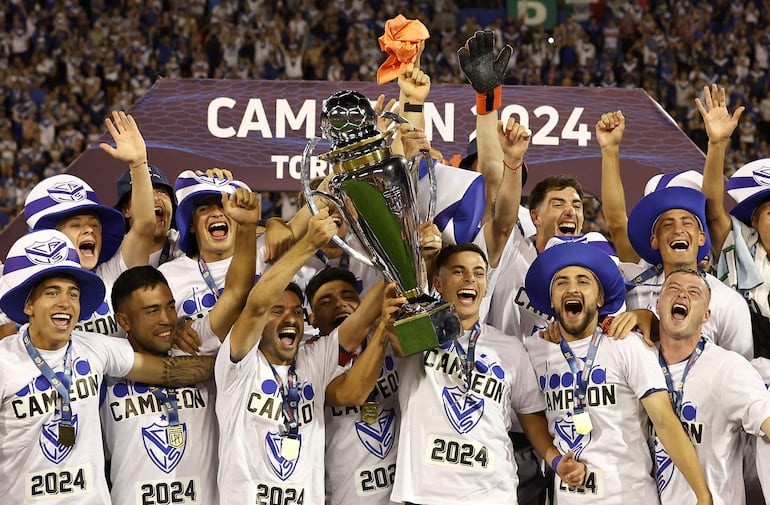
[675, 394]
[290, 399]
[208, 278]
[581, 378]
[169, 400]
[62, 386]
[165, 252]
[468, 359]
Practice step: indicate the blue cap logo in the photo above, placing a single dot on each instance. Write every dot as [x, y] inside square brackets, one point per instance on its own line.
[47, 253]
[762, 175]
[67, 192]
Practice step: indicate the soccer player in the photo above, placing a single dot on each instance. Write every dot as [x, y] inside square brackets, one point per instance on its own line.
[270, 388]
[458, 401]
[51, 448]
[598, 389]
[716, 393]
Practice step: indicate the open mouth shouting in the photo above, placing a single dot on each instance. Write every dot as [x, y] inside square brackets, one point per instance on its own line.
[679, 245]
[467, 296]
[87, 248]
[218, 230]
[287, 336]
[679, 312]
[338, 320]
[573, 308]
[567, 228]
[61, 320]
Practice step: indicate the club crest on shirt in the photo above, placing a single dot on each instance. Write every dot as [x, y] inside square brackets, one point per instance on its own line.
[49, 441]
[565, 432]
[664, 467]
[463, 409]
[378, 437]
[283, 468]
[159, 448]
[67, 192]
[47, 253]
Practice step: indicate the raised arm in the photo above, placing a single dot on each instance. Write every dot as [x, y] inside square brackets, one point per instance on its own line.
[485, 72]
[247, 329]
[171, 372]
[513, 142]
[355, 327]
[719, 127]
[353, 387]
[609, 133]
[243, 207]
[677, 445]
[130, 148]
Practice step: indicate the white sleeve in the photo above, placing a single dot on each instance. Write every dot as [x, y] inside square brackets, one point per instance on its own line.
[117, 353]
[641, 366]
[231, 376]
[763, 465]
[324, 353]
[733, 328]
[746, 400]
[526, 397]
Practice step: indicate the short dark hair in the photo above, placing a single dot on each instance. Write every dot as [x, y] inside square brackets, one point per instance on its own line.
[329, 275]
[682, 269]
[143, 277]
[296, 290]
[448, 251]
[552, 183]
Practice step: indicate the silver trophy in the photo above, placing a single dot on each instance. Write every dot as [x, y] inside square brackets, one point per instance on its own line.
[376, 193]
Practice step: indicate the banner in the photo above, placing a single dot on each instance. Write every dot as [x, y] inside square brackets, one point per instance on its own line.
[258, 130]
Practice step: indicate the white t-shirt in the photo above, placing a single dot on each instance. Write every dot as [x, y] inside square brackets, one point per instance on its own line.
[722, 396]
[730, 323]
[762, 365]
[145, 467]
[454, 443]
[249, 410]
[194, 298]
[35, 466]
[510, 310]
[615, 451]
[361, 457]
[103, 318]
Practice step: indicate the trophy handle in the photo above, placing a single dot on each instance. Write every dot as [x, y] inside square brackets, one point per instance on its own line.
[428, 163]
[309, 193]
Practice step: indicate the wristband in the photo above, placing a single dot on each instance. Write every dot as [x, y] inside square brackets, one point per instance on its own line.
[489, 101]
[555, 462]
[412, 107]
[138, 164]
[513, 169]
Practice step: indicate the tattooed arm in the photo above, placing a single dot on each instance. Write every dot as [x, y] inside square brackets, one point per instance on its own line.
[171, 372]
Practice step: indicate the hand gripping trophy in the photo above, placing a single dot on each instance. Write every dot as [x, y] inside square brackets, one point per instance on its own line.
[376, 194]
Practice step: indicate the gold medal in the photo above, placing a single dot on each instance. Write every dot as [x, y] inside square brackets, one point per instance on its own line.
[175, 436]
[289, 448]
[370, 411]
[66, 435]
[582, 422]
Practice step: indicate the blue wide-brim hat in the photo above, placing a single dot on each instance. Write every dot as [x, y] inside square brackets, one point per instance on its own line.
[646, 212]
[749, 186]
[190, 188]
[40, 255]
[540, 275]
[59, 196]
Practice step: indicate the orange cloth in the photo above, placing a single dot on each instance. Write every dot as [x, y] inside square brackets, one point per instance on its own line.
[401, 41]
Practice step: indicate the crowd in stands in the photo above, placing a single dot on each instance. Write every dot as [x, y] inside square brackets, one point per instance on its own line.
[65, 65]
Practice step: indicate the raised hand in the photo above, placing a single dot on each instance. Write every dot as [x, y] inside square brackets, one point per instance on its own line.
[413, 83]
[321, 229]
[242, 206]
[718, 121]
[514, 140]
[129, 144]
[478, 61]
[610, 128]
[384, 123]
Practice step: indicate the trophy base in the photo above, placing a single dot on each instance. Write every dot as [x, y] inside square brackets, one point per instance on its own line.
[426, 327]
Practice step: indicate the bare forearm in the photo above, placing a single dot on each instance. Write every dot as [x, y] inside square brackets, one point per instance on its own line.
[719, 223]
[614, 204]
[353, 329]
[171, 372]
[535, 427]
[238, 282]
[354, 387]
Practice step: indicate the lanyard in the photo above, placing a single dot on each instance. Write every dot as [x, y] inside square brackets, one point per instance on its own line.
[583, 377]
[206, 274]
[169, 400]
[640, 279]
[675, 394]
[164, 254]
[468, 359]
[344, 260]
[290, 399]
[62, 386]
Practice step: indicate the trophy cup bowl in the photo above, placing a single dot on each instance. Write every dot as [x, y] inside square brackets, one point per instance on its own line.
[376, 194]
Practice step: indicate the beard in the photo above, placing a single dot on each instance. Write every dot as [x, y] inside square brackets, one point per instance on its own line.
[578, 328]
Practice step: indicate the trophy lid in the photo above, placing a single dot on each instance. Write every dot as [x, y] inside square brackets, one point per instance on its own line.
[348, 118]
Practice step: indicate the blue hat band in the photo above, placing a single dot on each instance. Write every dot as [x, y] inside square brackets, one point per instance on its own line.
[33, 208]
